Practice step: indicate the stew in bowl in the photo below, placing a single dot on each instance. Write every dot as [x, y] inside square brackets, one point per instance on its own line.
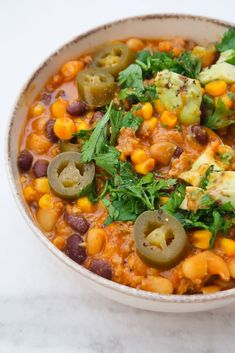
[127, 163]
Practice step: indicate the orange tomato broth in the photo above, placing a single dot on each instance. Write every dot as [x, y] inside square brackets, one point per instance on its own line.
[118, 248]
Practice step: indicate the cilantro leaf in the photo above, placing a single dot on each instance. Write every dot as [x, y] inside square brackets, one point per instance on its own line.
[204, 180]
[228, 41]
[83, 134]
[131, 77]
[175, 200]
[119, 119]
[135, 95]
[189, 65]
[108, 160]
[90, 192]
[219, 118]
[216, 218]
[133, 88]
[97, 140]
[186, 64]
[158, 61]
[208, 105]
[129, 195]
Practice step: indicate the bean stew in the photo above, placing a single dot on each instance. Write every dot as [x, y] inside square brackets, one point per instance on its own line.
[127, 163]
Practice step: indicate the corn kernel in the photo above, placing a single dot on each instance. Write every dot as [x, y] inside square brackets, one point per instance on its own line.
[163, 199]
[81, 125]
[228, 246]
[85, 204]
[159, 106]
[70, 69]
[30, 194]
[201, 239]
[46, 202]
[23, 179]
[216, 88]
[64, 128]
[122, 157]
[168, 119]
[37, 109]
[225, 99]
[147, 111]
[138, 156]
[42, 185]
[148, 126]
[58, 108]
[145, 167]
[205, 55]
[59, 242]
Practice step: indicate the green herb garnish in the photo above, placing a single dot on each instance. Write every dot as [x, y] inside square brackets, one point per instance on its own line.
[186, 64]
[220, 117]
[216, 218]
[228, 40]
[119, 119]
[130, 195]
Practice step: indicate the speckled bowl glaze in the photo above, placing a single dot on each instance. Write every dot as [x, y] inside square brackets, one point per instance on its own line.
[200, 29]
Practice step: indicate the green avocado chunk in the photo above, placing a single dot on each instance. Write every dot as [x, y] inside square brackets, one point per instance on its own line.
[220, 162]
[219, 71]
[221, 186]
[181, 95]
[227, 56]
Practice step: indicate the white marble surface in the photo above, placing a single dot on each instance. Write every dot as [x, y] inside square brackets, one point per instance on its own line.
[43, 306]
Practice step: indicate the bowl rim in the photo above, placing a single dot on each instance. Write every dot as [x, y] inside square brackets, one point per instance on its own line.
[88, 275]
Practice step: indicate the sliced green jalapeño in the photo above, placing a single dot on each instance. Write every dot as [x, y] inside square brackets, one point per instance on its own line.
[160, 239]
[68, 177]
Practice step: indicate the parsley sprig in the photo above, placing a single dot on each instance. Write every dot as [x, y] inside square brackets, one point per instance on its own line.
[99, 147]
[216, 218]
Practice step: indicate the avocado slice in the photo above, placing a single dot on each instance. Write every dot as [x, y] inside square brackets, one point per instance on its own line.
[220, 161]
[219, 71]
[227, 56]
[193, 199]
[181, 95]
[221, 186]
[200, 166]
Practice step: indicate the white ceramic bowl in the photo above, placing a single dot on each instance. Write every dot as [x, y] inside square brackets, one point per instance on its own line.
[200, 29]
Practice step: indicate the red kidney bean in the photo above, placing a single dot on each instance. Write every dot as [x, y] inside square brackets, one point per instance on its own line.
[77, 108]
[74, 250]
[25, 160]
[101, 268]
[46, 98]
[200, 134]
[40, 168]
[97, 116]
[178, 152]
[78, 223]
[50, 131]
